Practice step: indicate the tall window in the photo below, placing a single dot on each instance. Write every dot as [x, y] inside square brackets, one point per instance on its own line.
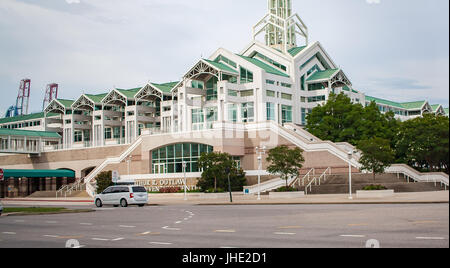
[232, 113]
[211, 89]
[302, 82]
[286, 114]
[197, 119]
[246, 76]
[211, 116]
[270, 108]
[248, 112]
[77, 136]
[108, 134]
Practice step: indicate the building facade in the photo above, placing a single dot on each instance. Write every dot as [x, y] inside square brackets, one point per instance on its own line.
[274, 81]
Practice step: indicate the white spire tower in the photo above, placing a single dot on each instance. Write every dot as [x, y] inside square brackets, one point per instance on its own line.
[280, 26]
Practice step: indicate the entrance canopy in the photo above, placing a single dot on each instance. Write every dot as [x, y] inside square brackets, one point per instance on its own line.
[38, 173]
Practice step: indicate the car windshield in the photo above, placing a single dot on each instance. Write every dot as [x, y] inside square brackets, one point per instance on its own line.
[139, 190]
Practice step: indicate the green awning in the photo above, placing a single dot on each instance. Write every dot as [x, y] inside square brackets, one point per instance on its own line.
[29, 133]
[38, 173]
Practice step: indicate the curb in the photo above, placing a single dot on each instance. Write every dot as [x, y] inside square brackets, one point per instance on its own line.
[330, 203]
[43, 200]
[47, 213]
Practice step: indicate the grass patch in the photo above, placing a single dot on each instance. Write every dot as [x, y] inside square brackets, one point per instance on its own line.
[32, 210]
[40, 210]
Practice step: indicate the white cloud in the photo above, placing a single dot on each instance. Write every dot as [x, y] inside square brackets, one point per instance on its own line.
[73, 1]
[370, 2]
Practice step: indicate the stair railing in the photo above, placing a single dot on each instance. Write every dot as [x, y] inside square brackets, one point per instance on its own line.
[317, 180]
[305, 179]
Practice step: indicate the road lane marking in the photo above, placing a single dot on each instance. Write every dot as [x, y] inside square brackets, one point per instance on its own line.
[430, 238]
[51, 236]
[118, 239]
[9, 233]
[177, 222]
[171, 229]
[281, 233]
[149, 233]
[225, 231]
[51, 222]
[228, 247]
[86, 223]
[356, 236]
[290, 227]
[160, 243]
[127, 226]
[19, 221]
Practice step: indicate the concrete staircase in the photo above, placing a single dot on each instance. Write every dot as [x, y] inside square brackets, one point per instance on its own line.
[52, 194]
[338, 184]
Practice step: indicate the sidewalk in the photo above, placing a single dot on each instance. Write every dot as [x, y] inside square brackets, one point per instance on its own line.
[240, 199]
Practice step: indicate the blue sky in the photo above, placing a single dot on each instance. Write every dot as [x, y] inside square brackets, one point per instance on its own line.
[395, 49]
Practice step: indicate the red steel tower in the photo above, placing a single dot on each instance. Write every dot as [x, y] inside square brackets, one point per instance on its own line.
[23, 98]
[51, 93]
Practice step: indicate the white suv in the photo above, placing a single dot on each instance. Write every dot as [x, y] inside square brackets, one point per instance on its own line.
[123, 196]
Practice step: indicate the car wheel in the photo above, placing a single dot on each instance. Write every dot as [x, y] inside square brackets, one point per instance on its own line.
[98, 203]
[141, 206]
[123, 203]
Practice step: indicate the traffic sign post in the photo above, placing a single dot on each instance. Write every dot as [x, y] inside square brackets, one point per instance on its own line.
[115, 176]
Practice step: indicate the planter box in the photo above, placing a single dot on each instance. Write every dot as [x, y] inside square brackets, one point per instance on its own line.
[286, 195]
[375, 194]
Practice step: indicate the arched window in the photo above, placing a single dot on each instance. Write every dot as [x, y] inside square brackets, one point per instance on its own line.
[169, 159]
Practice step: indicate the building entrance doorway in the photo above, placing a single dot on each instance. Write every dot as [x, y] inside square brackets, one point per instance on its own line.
[159, 168]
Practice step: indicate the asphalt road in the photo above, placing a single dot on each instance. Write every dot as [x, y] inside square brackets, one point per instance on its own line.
[265, 226]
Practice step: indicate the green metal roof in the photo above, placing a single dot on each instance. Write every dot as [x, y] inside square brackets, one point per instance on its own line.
[385, 102]
[25, 117]
[269, 69]
[413, 105]
[295, 50]
[435, 107]
[97, 99]
[321, 75]
[446, 110]
[221, 66]
[166, 87]
[66, 103]
[346, 88]
[38, 173]
[129, 93]
[28, 133]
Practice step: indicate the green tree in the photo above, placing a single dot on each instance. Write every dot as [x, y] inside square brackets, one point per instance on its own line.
[214, 165]
[377, 155]
[104, 180]
[340, 120]
[423, 142]
[285, 162]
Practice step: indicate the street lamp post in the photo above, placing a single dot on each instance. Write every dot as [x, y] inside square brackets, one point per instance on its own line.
[260, 152]
[185, 184]
[350, 154]
[128, 163]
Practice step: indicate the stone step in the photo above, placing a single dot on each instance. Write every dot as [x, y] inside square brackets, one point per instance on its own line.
[53, 194]
[397, 187]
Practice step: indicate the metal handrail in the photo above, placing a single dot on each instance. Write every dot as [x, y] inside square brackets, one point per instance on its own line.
[315, 179]
[302, 180]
